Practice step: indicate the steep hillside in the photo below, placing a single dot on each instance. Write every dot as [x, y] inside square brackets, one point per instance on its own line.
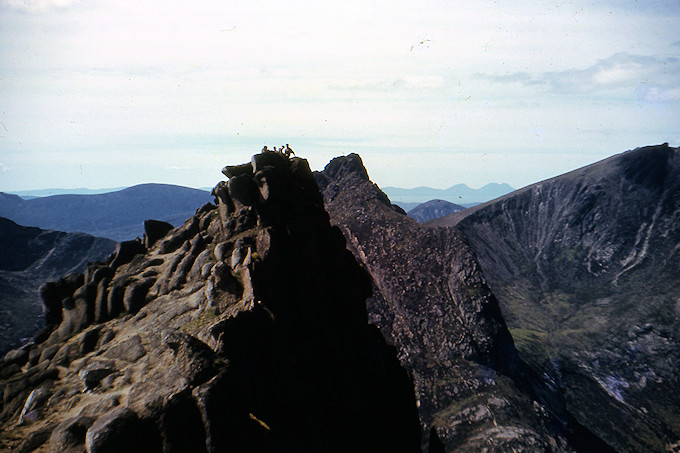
[245, 329]
[116, 215]
[28, 257]
[432, 302]
[586, 267]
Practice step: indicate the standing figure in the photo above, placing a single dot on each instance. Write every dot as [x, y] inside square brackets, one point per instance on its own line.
[288, 151]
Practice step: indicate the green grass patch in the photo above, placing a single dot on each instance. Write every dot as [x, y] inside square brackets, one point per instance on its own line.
[205, 318]
[534, 343]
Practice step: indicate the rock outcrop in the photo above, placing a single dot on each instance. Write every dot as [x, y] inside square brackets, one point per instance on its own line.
[432, 302]
[245, 329]
[586, 266]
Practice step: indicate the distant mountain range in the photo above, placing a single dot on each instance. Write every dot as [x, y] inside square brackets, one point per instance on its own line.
[116, 215]
[119, 213]
[30, 194]
[460, 194]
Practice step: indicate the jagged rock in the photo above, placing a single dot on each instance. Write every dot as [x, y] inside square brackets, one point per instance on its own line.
[221, 251]
[34, 440]
[231, 171]
[125, 251]
[101, 313]
[155, 230]
[224, 204]
[69, 435]
[114, 300]
[48, 352]
[243, 191]
[135, 294]
[35, 399]
[119, 430]
[65, 355]
[269, 159]
[245, 221]
[89, 340]
[203, 259]
[179, 236]
[91, 377]
[16, 356]
[179, 277]
[53, 293]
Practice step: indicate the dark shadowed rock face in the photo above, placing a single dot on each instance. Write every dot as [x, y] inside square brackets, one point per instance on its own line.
[432, 302]
[586, 269]
[28, 257]
[245, 329]
[433, 209]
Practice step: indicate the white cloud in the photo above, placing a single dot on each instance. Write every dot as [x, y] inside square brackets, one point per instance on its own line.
[616, 71]
[42, 6]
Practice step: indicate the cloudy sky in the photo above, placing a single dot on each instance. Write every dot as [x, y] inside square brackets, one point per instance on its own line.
[108, 94]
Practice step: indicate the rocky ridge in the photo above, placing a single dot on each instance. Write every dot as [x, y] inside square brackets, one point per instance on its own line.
[243, 329]
[432, 302]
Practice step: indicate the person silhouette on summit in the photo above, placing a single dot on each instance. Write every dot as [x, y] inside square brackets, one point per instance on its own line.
[288, 151]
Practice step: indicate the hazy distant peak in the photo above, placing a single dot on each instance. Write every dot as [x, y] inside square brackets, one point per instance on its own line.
[458, 193]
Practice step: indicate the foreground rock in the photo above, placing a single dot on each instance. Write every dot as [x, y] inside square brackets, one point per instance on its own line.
[245, 329]
[586, 269]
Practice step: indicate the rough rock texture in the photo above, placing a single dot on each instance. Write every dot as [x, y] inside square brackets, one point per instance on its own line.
[432, 302]
[28, 257]
[586, 267]
[245, 329]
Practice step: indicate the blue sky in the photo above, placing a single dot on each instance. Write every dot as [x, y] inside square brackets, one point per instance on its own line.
[108, 94]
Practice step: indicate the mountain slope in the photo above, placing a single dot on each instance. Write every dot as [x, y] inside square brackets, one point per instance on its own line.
[117, 215]
[28, 257]
[586, 269]
[245, 329]
[432, 302]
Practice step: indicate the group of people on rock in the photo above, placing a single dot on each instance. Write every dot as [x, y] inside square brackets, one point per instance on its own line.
[286, 151]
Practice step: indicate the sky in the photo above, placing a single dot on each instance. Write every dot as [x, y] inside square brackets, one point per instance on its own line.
[430, 93]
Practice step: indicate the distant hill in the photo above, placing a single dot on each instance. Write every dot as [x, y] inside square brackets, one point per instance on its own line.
[459, 194]
[433, 209]
[28, 257]
[117, 215]
[30, 194]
